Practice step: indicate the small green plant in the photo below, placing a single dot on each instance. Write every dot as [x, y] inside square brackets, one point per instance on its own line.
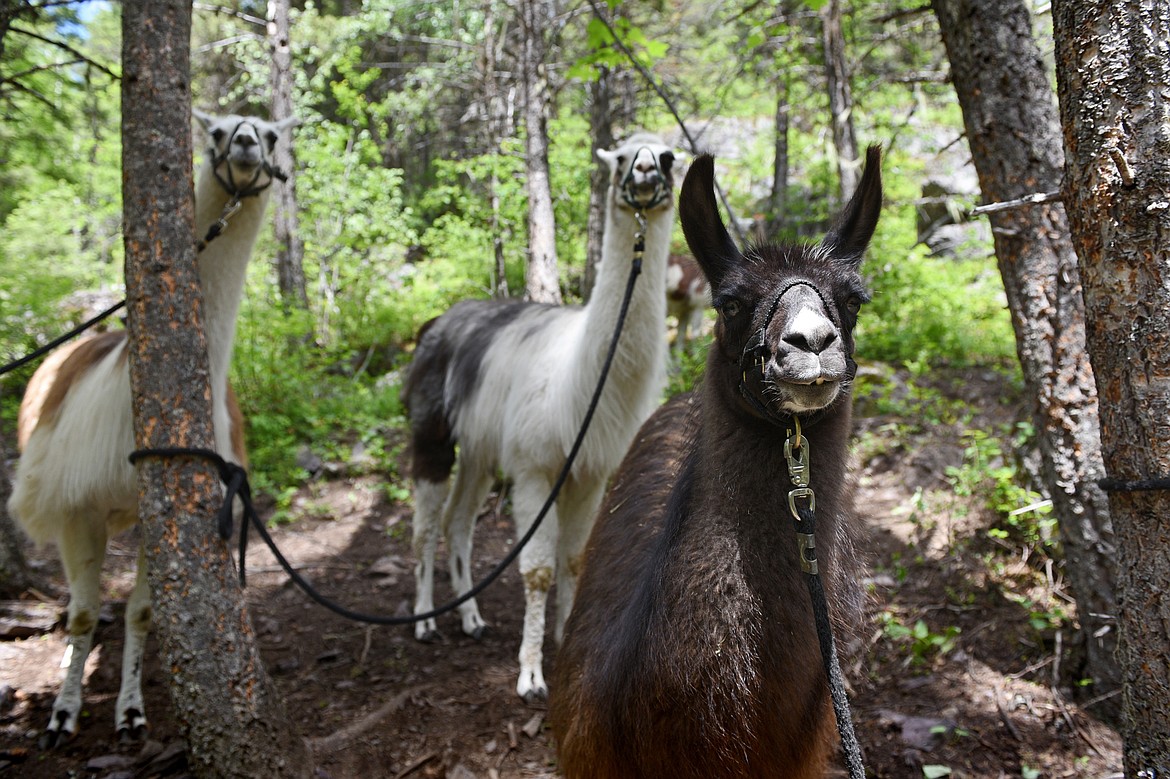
[923, 643]
[986, 473]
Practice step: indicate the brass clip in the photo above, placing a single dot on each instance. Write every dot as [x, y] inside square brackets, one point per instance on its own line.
[806, 543]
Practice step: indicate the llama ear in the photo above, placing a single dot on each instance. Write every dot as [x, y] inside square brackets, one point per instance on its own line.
[704, 230]
[287, 123]
[204, 118]
[610, 158]
[852, 230]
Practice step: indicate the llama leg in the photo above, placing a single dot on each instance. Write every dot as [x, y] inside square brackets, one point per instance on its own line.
[696, 325]
[470, 490]
[83, 550]
[578, 511]
[537, 568]
[429, 497]
[130, 710]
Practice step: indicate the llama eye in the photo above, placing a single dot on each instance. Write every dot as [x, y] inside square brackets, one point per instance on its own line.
[853, 304]
[271, 138]
[217, 135]
[730, 309]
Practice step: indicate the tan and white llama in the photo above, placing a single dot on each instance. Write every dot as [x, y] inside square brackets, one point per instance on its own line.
[74, 485]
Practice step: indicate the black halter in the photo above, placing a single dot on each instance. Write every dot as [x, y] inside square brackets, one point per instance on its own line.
[756, 354]
[250, 189]
[661, 193]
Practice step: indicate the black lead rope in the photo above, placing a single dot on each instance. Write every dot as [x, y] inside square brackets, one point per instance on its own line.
[802, 503]
[41, 352]
[236, 480]
[1137, 485]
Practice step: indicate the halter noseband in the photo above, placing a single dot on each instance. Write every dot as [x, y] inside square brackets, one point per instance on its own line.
[756, 354]
[249, 189]
[660, 190]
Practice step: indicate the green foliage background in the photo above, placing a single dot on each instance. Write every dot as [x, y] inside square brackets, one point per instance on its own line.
[394, 171]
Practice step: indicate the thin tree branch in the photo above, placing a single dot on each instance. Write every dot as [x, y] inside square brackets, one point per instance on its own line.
[66, 47]
[1027, 200]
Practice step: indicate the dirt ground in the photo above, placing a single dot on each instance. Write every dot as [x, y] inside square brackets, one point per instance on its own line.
[951, 675]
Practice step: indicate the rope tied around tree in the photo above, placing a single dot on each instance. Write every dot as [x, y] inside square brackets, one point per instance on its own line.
[1156, 484]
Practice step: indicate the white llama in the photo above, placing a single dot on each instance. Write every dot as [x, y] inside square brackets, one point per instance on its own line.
[509, 383]
[74, 485]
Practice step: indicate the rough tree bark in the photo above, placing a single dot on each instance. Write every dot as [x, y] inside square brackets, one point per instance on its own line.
[778, 197]
[15, 577]
[226, 705]
[498, 125]
[1113, 79]
[290, 252]
[840, 99]
[542, 280]
[1013, 128]
[601, 137]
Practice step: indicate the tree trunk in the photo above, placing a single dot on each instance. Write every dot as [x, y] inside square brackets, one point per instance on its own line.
[226, 705]
[496, 122]
[14, 573]
[601, 136]
[542, 280]
[290, 251]
[840, 99]
[1113, 72]
[778, 198]
[1013, 128]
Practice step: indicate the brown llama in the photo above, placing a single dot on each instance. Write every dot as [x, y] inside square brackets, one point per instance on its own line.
[691, 650]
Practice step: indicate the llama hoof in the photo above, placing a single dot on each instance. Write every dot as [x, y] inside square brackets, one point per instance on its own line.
[428, 636]
[133, 728]
[478, 633]
[61, 729]
[531, 687]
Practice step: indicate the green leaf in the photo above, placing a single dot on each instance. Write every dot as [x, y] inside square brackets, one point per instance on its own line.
[935, 771]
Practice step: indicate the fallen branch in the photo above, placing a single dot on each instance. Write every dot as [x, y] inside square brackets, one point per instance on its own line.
[341, 738]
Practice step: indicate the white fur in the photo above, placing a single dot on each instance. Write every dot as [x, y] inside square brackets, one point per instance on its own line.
[74, 485]
[537, 379]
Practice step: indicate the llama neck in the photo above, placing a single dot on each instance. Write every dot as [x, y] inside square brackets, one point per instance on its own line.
[742, 464]
[642, 335]
[223, 266]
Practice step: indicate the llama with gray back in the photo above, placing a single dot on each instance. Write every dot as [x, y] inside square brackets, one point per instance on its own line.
[509, 382]
[692, 651]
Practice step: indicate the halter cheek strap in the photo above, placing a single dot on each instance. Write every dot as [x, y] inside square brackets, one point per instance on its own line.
[660, 191]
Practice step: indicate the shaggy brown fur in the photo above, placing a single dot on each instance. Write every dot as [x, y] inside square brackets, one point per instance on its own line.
[691, 651]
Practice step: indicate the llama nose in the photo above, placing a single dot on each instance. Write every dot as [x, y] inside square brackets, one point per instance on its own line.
[810, 333]
[647, 169]
[246, 141]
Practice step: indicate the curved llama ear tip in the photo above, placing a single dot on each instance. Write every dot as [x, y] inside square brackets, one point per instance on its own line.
[702, 225]
[204, 118]
[288, 123]
[852, 230]
[608, 157]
